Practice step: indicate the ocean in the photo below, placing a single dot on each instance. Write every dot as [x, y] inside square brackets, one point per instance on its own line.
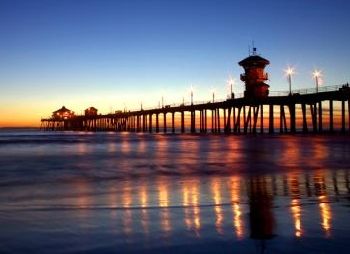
[79, 192]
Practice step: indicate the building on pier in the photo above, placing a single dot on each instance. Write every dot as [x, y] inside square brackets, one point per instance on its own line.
[255, 76]
[63, 114]
[91, 111]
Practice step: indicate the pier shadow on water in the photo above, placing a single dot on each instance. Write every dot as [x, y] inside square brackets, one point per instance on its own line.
[126, 193]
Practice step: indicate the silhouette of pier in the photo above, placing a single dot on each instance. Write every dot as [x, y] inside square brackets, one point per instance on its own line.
[302, 111]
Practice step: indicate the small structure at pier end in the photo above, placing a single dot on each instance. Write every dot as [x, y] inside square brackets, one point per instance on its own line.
[91, 111]
[255, 76]
[62, 114]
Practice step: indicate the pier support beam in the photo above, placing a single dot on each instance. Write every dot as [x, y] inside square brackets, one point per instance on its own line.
[157, 122]
[320, 127]
[255, 119]
[182, 122]
[164, 123]
[205, 121]
[303, 109]
[343, 116]
[150, 123]
[313, 110]
[331, 126]
[138, 123]
[271, 119]
[228, 121]
[237, 128]
[218, 117]
[193, 121]
[292, 118]
[173, 122]
[262, 118]
[212, 121]
[349, 115]
[246, 119]
[201, 121]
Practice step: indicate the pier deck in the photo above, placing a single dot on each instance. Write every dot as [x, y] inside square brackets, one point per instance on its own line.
[302, 111]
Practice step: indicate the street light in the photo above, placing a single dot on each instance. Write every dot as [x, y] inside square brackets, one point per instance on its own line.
[231, 82]
[213, 94]
[191, 95]
[317, 74]
[289, 72]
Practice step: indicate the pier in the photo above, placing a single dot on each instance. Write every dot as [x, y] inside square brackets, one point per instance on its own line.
[317, 110]
[302, 111]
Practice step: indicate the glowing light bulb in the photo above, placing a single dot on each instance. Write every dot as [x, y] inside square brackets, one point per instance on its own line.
[289, 71]
[317, 73]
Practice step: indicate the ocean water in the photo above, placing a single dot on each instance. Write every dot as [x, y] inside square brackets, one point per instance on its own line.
[72, 192]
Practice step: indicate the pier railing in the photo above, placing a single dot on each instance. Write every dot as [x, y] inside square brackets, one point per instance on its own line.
[241, 95]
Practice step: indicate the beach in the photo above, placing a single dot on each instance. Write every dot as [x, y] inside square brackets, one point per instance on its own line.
[87, 192]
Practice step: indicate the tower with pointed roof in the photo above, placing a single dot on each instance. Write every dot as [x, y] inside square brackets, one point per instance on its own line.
[255, 76]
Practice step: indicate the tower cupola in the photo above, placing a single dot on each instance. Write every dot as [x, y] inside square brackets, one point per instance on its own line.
[255, 76]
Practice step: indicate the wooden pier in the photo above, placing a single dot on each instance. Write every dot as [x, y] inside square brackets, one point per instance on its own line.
[327, 110]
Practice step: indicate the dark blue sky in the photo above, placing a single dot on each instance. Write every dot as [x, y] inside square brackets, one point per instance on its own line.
[111, 53]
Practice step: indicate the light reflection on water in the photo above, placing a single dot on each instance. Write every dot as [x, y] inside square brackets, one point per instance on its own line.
[216, 195]
[236, 207]
[129, 191]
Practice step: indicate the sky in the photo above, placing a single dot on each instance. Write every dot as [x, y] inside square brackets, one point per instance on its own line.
[118, 54]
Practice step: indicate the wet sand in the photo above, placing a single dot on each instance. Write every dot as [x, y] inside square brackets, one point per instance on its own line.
[140, 193]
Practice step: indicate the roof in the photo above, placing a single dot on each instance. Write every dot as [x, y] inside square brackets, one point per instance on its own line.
[62, 110]
[91, 108]
[254, 60]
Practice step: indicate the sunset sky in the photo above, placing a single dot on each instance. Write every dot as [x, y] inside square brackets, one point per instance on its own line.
[115, 54]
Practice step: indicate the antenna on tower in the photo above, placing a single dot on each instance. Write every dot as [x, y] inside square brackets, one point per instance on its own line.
[248, 50]
[254, 48]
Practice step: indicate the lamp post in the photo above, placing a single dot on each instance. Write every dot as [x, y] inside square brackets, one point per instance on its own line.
[317, 75]
[231, 82]
[289, 73]
[162, 101]
[191, 95]
[212, 90]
